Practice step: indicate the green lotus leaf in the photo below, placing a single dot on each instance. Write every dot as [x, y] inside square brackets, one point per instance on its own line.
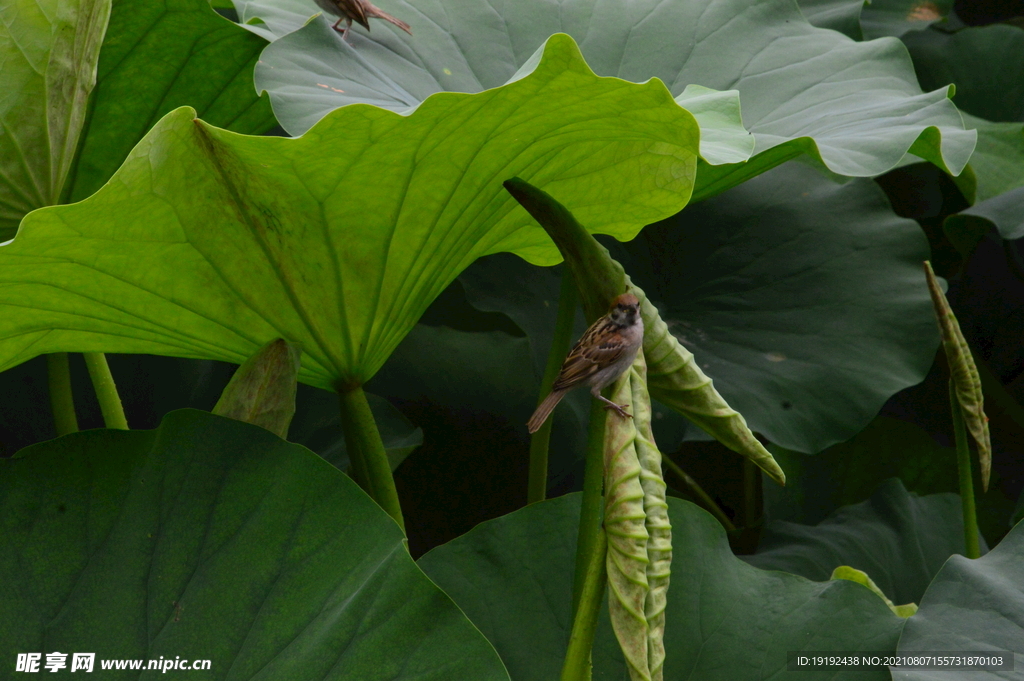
[48, 51]
[789, 290]
[725, 620]
[210, 538]
[156, 57]
[898, 538]
[854, 107]
[985, 63]
[209, 244]
[972, 605]
[867, 20]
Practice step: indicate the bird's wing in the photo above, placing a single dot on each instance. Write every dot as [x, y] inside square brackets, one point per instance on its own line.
[587, 357]
[355, 11]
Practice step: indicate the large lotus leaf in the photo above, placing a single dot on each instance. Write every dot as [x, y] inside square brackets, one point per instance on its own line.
[208, 244]
[803, 299]
[866, 20]
[856, 107]
[725, 620]
[898, 538]
[48, 53]
[211, 538]
[985, 63]
[972, 605]
[156, 57]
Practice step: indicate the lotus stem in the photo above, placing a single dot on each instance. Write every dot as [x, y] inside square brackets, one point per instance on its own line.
[568, 299]
[106, 391]
[578, 663]
[62, 400]
[590, 577]
[963, 459]
[370, 466]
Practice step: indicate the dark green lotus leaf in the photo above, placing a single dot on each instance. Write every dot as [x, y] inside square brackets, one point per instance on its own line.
[803, 299]
[867, 20]
[985, 63]
[156, 57]
[48, 54]
[725, 620]
[211, 538]
[975, 605]
[209, 244]
[898, 538]
[856, 107]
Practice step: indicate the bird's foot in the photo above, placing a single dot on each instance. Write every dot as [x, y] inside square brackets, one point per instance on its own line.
[619, 409]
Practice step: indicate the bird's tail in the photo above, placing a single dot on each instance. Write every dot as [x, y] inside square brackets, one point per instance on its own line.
[374, 11]
[544, 410]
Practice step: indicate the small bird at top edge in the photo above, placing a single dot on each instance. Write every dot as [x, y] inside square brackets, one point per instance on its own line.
[604, 352]
[359, 11]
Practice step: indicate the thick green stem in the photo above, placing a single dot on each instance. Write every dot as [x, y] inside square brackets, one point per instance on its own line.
[577, 665]
[370, 465]
[591, 529]
[62, 400]
[106, 391]
[568, 299]
[963, 459]
[706, 501]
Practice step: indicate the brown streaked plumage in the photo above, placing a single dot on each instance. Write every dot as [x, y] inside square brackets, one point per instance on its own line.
[359, 11]
[601, 355]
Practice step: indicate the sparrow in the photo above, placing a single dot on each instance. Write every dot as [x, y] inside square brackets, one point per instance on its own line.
[604, 352]
[360, 11]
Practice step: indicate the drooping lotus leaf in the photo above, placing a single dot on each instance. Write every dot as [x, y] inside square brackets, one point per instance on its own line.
[803, 299]
[867, 20]
[209, 244]
[156, 57]
[975, 605]
[48, 52]
[674, 376]
[900, 539]
[985, 63]
[856, 107]
[213, 539]
[725, 620]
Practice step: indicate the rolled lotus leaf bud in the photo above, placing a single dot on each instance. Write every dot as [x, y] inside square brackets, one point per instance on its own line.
[262, 390]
